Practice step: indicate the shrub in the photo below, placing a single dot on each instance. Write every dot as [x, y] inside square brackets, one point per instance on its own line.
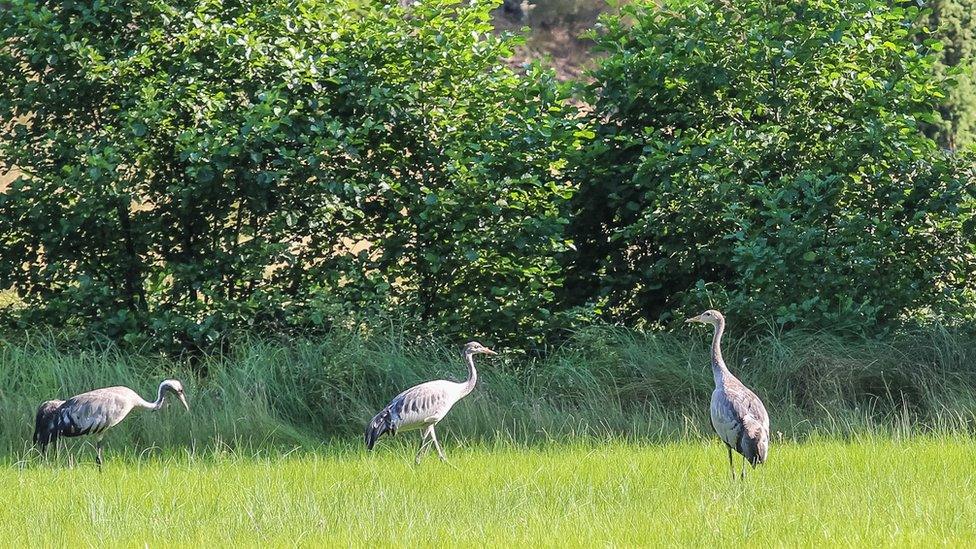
[193, 167]
[767, 157]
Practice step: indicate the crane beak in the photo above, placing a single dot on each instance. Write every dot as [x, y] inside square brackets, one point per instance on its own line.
[488, 351]
[694, 319]
[183, 400]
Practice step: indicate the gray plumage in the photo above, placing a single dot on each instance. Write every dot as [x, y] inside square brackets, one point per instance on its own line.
[95, 412]
[423, 406]
[738, 416]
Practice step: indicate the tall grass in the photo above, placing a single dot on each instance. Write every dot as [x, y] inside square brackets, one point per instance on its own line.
[605, 382]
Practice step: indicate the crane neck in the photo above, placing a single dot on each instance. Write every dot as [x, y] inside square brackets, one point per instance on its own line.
[719, 369]
[472, 373]
[159, 400]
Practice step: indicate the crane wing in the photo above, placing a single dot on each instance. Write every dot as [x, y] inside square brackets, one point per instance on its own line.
[752, 423]
[415, 408]
[95, 411]
[423, 404]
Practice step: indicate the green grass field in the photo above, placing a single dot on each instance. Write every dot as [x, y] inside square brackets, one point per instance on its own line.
[871, 491]
[603, 442]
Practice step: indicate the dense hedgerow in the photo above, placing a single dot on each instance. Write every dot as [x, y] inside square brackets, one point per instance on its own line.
[196, 168]
[767, 158]
[192, 167]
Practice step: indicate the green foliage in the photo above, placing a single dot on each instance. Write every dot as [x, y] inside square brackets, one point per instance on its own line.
[954, 22]
[766, 157]
[193, 167]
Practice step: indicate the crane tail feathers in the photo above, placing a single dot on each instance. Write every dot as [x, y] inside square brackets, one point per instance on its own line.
[47, 424]
[381, 424]
[755, 448]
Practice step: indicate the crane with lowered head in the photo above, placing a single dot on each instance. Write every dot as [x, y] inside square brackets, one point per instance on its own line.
[95, 412]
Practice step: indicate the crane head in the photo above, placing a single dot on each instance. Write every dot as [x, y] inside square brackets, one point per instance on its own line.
[175, 387]
[710, 316]
[474, 348]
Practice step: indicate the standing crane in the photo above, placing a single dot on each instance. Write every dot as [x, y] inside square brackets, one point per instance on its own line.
[738, 416]
[95, 412]
[423, 406]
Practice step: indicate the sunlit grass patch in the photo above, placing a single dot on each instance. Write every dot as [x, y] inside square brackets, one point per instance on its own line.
[873, 491]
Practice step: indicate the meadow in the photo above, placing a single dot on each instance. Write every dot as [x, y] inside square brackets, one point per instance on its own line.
[603, 441]
[300, 208]
[873, 491]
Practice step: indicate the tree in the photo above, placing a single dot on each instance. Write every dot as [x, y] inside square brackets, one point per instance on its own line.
[193, 167]
[954, 22]
[766, 157]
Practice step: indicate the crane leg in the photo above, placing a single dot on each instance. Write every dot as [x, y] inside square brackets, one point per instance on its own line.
[731, 467]
[98, 454]
[437, 445]
[57, 450]
[51, 439]
[424, 444]
[743, 475]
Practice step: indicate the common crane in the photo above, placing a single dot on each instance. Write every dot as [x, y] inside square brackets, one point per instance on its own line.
[95, 412]
[423, 406]
[738, 416]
